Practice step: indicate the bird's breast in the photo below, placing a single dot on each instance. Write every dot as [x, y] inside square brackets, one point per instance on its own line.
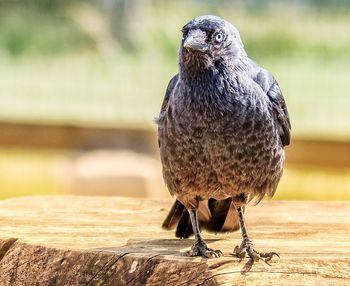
[222, 142]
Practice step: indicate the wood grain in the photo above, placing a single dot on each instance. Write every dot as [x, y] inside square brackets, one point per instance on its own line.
[70, 240]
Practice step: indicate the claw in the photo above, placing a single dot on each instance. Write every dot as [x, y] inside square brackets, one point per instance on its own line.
[201, 249]
[211, 253]
[268, 256]
[246, 249]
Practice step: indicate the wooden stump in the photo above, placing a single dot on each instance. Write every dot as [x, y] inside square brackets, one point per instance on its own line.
[71, 240]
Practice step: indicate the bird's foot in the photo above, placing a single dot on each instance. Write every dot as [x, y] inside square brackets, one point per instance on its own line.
[200, 248]
[247, 249]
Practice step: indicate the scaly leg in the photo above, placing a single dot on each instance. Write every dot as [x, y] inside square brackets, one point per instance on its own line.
[246, 248]
[200, 248]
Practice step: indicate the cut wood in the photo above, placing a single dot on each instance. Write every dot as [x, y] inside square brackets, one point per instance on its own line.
[70, 240]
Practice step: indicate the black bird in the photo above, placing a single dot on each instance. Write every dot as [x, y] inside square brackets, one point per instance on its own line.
[221, 132]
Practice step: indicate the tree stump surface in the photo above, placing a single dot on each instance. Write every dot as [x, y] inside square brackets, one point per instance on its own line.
[72, 240]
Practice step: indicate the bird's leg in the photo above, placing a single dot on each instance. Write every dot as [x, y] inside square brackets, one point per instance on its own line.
[200, 248]
[246, 248]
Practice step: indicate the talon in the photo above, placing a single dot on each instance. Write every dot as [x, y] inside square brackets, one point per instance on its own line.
[275, 253]
[246, 249]
[210, 253]
[201, 249]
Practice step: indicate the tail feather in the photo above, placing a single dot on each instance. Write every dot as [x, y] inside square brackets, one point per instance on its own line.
[184, 227]
[213, 215]
[174, 215]
[224, 215]
[231, 222]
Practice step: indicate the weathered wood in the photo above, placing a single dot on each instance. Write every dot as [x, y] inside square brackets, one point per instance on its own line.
[118, 241]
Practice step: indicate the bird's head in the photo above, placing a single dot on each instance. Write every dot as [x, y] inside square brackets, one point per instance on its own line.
[208, 41]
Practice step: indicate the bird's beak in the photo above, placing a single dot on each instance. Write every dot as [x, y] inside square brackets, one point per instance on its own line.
[196, 41]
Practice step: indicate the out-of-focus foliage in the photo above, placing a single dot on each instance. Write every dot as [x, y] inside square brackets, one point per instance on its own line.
[55, 27]
[108, 62]
[269, 28]
[27, 29]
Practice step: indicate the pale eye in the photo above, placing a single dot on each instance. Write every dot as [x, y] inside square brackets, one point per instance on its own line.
[219, 37]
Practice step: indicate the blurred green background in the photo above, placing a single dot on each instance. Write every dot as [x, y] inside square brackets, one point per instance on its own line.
[106, 64]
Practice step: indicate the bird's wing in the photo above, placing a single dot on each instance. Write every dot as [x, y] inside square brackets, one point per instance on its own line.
[171, 85]
[270, 86]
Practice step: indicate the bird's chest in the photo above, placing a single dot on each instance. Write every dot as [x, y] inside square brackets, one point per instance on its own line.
[215, 118]
[222, 145]
[212, 133]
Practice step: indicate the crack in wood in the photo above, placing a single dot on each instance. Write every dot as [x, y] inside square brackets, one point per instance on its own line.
[112, 264]
[144, 266]
[37, 258]
[193, 279]
[94, 276]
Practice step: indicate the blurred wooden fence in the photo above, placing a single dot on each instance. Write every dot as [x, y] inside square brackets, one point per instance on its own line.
[303, 151]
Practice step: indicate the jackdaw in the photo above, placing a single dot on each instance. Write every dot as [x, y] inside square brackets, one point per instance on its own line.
[221, 133]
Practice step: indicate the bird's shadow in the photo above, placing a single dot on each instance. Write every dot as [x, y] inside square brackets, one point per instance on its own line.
[171, 247]
[247, 266]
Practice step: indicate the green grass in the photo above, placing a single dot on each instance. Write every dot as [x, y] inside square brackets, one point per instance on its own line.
[92, 90]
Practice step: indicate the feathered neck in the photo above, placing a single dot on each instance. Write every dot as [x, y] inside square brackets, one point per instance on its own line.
[201, 67]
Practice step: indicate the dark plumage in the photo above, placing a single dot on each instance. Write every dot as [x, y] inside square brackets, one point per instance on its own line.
[221, 130]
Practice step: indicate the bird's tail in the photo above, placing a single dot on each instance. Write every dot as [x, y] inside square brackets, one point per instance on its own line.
[213, 215]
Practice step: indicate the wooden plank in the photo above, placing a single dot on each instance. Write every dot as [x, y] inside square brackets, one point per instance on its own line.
[69, 240]
[52, 136]
[326, 153]
[303, 151]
